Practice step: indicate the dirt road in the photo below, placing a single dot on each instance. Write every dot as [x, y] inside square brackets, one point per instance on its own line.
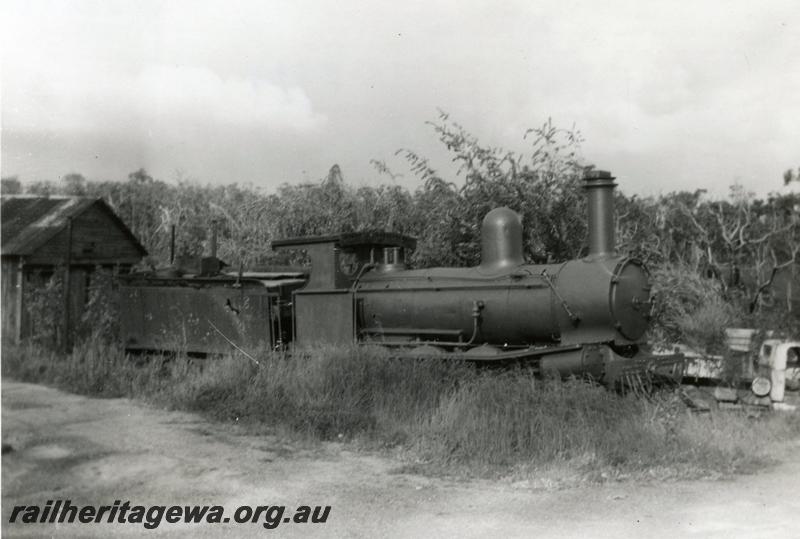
[95, 451]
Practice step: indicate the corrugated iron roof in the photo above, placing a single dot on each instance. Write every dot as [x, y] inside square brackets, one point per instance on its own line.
[29, 222]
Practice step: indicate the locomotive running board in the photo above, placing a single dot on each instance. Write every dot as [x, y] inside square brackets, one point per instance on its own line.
[596, 360]
[483, 353]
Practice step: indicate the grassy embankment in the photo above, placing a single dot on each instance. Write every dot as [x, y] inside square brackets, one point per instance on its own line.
[441, 417]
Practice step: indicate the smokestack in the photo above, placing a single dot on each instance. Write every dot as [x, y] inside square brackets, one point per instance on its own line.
[599, 185]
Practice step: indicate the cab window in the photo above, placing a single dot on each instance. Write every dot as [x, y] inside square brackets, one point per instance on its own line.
[793, 357]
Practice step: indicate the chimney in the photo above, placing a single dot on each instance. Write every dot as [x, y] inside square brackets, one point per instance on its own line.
[213, 239]
[599, 185]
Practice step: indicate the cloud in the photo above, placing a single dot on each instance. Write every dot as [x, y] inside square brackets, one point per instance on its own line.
[664, 91]
[89, 97]
[674, 97]
[189, 92]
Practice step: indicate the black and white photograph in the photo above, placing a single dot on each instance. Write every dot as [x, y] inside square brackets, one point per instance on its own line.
[357, 269]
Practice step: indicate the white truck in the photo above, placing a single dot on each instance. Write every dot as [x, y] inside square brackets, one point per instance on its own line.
[779, 361]
[769, 371]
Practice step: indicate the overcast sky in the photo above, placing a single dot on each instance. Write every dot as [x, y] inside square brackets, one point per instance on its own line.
[668, 95]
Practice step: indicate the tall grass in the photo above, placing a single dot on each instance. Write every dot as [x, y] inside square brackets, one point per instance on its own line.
[326, 394]
[512, 419]
[444, 416]
[94, 368]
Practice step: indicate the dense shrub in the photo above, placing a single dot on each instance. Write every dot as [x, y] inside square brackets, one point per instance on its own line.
[99, 315]
[691, 309]
[713, 259]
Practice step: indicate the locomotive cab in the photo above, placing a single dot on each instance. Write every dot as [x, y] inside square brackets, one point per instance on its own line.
[324, 310]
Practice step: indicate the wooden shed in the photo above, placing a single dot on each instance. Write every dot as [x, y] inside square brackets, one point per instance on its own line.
[72, 235]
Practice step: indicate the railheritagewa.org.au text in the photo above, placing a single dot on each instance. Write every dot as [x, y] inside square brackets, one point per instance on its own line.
[152, 516]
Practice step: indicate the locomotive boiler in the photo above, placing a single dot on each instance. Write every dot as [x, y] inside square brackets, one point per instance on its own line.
[585, 316]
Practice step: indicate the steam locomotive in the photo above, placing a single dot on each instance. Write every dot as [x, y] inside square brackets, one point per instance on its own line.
[585, 316]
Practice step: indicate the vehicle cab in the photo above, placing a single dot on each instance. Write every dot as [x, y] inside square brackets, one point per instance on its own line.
[780, 361]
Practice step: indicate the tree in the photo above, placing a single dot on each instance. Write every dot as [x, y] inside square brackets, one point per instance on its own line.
[542, 185]
[10, 186]
[140, 176]
[74, 184]
[791, 176]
